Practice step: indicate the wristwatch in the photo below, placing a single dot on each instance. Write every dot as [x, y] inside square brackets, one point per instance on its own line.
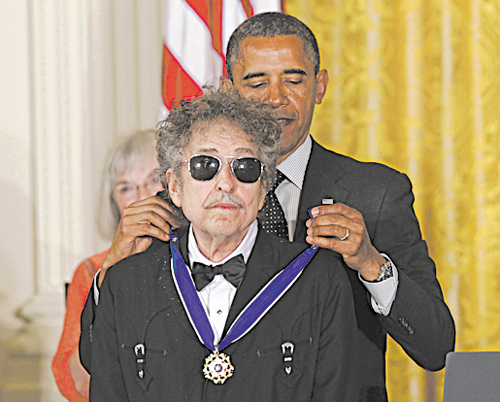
[385, 272]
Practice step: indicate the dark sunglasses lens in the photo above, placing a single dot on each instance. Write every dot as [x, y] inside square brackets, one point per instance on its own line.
[203, 167]
[247, 170]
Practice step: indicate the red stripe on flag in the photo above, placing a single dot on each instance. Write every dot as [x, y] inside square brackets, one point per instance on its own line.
[176, 84]
[247, 6]
[210, 11]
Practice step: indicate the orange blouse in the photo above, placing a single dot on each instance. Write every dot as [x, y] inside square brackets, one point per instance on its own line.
[77, 295]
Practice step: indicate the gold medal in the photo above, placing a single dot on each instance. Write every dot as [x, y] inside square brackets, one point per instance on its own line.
[218, 367]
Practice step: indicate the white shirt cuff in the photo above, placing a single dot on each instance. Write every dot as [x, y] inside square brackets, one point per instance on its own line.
[383, 293]
[96, 288]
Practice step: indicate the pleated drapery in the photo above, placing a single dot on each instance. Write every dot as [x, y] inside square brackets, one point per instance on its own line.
[415, 85]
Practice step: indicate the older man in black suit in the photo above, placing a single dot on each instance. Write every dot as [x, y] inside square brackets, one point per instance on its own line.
[224, 311]
[371, 222]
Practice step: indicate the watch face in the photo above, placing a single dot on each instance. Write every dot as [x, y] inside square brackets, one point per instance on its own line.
[385, 272]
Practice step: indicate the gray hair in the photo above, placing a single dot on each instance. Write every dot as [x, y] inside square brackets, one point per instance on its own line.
[251, 116]
[129, 154]
[269, 25]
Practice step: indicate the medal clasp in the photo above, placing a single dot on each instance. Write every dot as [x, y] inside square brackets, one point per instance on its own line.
[287, 349]
[140, 352]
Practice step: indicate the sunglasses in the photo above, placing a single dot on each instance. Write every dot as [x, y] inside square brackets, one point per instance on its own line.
[206, 167]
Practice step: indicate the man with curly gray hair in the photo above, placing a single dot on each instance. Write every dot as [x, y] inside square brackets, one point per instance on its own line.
[252, 117]
[213, 315]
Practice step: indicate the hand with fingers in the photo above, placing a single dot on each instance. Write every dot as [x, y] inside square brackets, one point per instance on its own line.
[140, 222]
[342, 229]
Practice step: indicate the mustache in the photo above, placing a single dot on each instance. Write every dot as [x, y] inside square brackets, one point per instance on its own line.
[225, 198]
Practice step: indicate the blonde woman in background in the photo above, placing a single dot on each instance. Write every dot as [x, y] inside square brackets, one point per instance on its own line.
[128, 177]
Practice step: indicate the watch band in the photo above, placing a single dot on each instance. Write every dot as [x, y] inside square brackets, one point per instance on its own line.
[385, 272]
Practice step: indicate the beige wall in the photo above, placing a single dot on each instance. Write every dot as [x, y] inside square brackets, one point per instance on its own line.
[74, 76]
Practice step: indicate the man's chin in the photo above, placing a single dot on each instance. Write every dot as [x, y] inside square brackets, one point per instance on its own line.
[223, 228]
[289, 143]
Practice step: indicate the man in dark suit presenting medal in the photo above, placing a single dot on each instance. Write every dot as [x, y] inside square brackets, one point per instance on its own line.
[224, 311]
[371, 223]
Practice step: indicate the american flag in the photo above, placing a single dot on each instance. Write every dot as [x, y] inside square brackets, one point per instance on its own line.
[195, 35]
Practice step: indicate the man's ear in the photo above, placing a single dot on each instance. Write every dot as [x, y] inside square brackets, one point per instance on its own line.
[321, 84]
[262, 195]
[174, 187]
[225, 84]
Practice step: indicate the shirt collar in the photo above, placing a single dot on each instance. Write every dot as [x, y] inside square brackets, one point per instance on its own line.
[245, 247]
[294, 166]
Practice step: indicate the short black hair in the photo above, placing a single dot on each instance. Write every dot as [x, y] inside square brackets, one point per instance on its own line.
[270, 25]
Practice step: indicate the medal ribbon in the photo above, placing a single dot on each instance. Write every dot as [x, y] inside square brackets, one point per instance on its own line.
[251, 314]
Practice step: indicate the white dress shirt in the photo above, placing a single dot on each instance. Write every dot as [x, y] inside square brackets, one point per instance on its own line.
[218, 295]
[288, 193]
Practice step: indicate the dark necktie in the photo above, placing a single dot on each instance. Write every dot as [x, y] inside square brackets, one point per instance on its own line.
[275, 222]
[232, 270]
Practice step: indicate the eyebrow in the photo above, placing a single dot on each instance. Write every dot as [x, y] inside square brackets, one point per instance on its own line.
[215, 151]
[121, 182]
[289, 71]
[295, 71]
[253, 75]
[244, 150]
[205, 150]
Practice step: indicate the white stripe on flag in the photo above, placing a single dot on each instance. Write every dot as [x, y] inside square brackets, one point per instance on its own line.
[190, 41]
[261, 6]
[233, 14]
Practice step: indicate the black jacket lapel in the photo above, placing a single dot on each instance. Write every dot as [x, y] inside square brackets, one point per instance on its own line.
[266, 260]
[167, 282]
[322, 178]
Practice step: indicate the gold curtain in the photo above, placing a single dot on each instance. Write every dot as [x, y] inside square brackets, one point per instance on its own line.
[415, 84]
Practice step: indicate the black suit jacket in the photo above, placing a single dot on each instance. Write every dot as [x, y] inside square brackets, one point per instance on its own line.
[139, 304]
[419, 319]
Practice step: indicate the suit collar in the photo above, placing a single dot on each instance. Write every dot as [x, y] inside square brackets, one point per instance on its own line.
[182, 233]
[171, 297]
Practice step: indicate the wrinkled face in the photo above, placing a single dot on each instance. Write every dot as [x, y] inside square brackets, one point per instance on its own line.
[278, 72]
[223, 206]
[136, 184]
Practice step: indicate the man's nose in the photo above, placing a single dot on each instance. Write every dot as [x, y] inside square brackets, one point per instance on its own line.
[276, 95]
[225, 178]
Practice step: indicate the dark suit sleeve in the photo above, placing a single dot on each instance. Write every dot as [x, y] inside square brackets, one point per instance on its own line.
[419, 319]
[337, 367]
[106, 381]
[87, 322]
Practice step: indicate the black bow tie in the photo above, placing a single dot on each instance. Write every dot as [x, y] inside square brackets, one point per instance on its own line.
[233, 271]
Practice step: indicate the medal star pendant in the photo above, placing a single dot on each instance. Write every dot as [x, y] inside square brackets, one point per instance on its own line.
[218, 367]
